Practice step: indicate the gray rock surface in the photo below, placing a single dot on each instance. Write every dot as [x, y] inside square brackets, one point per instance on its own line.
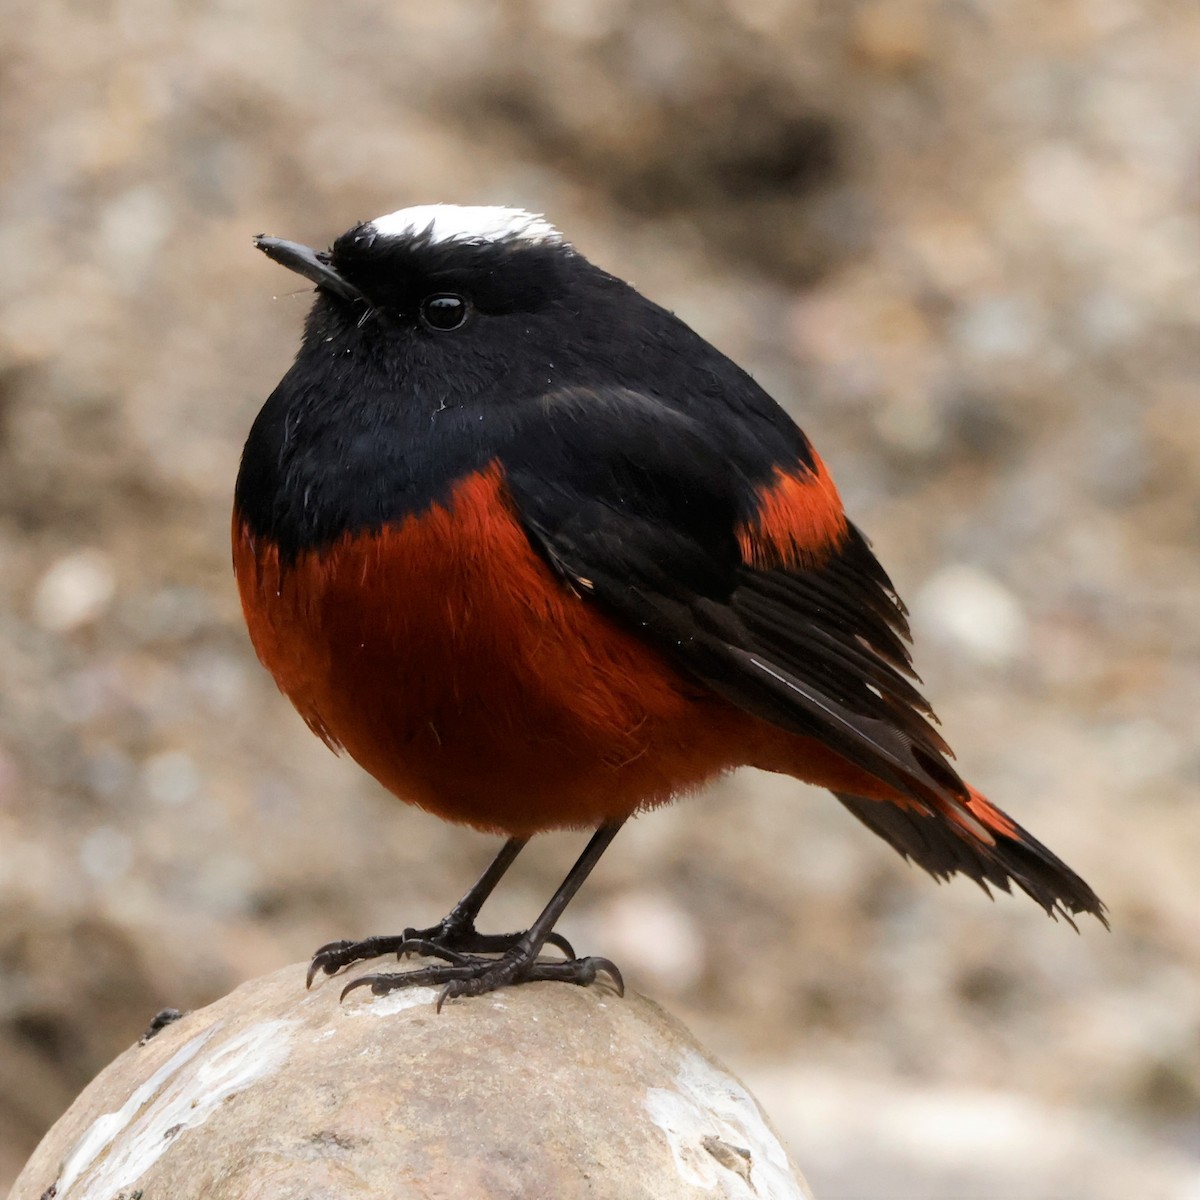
[540, 1091]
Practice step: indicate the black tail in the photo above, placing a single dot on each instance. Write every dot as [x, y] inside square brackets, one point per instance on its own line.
[944, 848]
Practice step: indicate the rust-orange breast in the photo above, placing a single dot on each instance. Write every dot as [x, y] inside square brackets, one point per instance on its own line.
[452, 665]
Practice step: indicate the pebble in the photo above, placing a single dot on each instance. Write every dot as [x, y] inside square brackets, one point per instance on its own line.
[653, 937]
[106, 854]
[75, 591]
[972, 611]
[171, 777]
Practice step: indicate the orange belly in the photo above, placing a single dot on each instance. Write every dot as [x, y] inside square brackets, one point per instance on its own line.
[451, 664]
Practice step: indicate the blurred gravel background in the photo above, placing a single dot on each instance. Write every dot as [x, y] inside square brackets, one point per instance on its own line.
[961, 240]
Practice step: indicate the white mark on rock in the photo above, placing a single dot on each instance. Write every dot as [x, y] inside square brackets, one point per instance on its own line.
[119, 1147]
[707, 1108]
[104, 1129]
[391, 1003]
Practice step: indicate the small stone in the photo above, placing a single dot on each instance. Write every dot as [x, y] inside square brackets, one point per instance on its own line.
[76, 591]
[106, 854]
[999, 328]
[654, 938]
[171, 777]
[894, 35]
[975, 613]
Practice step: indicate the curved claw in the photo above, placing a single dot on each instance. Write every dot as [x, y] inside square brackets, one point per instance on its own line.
[325, 959]
[412, 934]
[557, 939]
[609, 968]
[361, 981]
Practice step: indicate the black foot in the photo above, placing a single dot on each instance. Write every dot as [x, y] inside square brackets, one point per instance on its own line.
[465, 939]
[464, 975]
[452, 940]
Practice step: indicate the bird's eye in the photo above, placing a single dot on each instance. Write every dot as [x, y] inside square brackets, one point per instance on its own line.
[444, 311]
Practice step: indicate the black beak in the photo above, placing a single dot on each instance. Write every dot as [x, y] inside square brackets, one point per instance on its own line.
[309, 263]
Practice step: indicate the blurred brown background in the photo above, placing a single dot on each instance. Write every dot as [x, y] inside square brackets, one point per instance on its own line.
[960, 240]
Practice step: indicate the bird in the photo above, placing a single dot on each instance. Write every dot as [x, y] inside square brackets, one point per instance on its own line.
[538, 556]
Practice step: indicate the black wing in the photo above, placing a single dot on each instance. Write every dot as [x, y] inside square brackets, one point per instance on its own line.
[637, 506]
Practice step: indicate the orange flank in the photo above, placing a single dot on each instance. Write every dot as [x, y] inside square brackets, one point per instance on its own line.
[799, 520]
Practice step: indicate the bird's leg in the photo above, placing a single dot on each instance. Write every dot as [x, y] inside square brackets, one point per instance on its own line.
[456, 931]
[463, 975]
[453, 938]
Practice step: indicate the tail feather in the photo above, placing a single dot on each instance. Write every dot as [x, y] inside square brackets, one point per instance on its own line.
[1000, 854]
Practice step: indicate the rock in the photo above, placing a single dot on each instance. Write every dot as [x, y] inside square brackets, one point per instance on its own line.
[543, 1090]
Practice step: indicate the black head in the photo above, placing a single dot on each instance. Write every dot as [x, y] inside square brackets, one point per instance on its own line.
[432, 326]
[445, 296]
